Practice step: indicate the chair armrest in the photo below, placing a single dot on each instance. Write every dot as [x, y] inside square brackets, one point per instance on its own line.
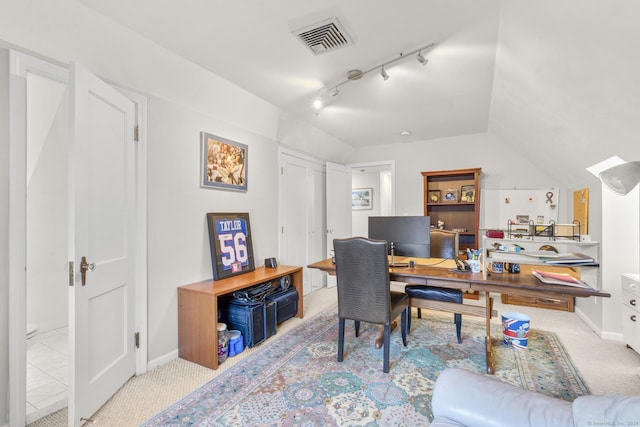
[471, 399]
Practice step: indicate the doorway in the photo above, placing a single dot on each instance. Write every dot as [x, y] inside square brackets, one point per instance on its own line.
[380, 178]
[39, 287]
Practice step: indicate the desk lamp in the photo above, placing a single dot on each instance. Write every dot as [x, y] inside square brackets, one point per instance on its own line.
[622, 178]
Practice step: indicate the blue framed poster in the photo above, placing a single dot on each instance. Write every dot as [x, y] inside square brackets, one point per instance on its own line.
[231, 245]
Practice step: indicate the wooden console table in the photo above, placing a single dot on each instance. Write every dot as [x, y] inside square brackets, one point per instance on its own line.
[198, 310]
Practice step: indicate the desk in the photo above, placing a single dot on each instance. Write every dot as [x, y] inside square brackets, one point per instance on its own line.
[436, 272]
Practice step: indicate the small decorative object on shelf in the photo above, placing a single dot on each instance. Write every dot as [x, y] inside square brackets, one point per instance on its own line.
[434, 196]
[450, 196]
[468, 193]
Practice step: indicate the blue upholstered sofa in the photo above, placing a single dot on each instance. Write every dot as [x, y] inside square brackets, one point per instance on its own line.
[463, 398]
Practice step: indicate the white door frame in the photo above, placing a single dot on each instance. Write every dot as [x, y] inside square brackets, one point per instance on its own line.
[20, 64]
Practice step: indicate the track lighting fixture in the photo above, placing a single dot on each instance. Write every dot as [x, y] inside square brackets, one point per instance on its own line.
[358, 74]
[384, 74]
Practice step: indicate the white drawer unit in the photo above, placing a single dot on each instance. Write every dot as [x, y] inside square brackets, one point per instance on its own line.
[631, 310]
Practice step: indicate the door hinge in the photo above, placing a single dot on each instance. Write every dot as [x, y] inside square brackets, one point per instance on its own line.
[137, 339]
[136, 133]
[70, 267]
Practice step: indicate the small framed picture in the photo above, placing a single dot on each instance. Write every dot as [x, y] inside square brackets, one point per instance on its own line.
[361, 198]
[224, 163]
[434, 196]
[450, 196]
[468, 193]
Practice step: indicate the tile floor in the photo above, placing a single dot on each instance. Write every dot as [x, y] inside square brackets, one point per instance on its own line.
[47, 374]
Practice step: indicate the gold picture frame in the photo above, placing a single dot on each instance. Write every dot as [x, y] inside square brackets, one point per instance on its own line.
[468, 194]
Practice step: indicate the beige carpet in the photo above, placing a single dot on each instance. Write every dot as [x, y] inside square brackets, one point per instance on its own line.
[145, 395]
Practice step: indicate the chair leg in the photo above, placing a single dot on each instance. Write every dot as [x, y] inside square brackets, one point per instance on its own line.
[386, 345]
[409, 321]
[357, 323]
[419, 313]
[403, 324]
[458, 319]
[340, 338]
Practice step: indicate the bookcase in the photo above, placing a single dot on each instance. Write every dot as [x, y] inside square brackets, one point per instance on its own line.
[453, 198]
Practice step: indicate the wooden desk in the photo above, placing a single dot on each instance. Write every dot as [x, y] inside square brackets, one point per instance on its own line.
[198, 310]
[432, 272]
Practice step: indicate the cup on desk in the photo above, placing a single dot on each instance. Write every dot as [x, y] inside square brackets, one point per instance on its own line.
[497, 267]
[475, 265]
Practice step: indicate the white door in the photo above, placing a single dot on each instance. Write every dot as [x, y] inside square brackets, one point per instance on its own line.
[338, 206]
[302, 198]
[102, 219]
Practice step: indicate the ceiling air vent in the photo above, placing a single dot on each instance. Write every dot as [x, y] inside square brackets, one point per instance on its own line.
[324, 36]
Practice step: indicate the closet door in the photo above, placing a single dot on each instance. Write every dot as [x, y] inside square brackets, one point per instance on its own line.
[302, 216]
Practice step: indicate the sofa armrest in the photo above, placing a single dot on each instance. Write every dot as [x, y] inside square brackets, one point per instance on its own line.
[462, 397]
[607, 410]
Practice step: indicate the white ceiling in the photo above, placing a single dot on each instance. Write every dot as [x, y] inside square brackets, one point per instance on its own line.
[250, 43]
[554, 80]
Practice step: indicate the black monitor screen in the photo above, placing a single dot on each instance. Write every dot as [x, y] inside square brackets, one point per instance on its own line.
[409, 234]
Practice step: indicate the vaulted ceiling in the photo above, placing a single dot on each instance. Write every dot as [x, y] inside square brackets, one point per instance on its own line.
[556, 79]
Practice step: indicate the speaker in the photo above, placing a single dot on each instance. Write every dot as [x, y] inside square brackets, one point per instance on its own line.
[270, 262]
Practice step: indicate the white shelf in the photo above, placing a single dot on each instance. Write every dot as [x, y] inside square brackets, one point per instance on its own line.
[589, 274]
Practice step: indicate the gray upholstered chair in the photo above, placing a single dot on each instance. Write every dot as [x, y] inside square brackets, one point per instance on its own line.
[444, 244]
[364, 293]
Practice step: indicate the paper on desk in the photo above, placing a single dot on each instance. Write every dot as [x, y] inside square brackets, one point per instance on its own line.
[558, 279]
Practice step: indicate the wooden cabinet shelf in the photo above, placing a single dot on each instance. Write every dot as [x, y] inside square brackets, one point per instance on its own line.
[198, 310]
[456, 212]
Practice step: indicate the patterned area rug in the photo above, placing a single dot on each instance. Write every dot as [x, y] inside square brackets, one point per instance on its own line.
[295, 380]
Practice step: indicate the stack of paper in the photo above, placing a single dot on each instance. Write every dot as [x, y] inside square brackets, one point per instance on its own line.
[558, 278]
[568, 259]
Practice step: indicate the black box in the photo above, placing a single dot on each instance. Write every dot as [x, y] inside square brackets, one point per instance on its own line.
[246, 317]
[286, 304]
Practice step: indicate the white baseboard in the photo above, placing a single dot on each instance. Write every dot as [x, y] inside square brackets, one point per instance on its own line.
[605, 335]
[159, 361]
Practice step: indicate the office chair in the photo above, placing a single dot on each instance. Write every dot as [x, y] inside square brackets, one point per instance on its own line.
[364, 294]
[444, 244]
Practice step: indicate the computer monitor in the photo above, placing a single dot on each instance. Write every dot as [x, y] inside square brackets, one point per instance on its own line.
[409, 234]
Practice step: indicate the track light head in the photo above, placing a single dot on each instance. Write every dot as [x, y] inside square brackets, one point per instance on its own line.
[422, 59]
[317, 105]
[384, 74]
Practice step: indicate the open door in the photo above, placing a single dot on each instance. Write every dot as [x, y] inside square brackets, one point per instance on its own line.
[338, 206]
[102, 222]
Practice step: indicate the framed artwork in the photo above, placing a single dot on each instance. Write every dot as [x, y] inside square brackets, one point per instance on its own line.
[434, 196]
[231, 245]
[468, 193]
[361, 198]
[224, 163]
[450, 196]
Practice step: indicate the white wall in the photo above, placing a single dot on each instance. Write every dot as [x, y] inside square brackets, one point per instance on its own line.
[502, 166]
[360, 218]
[47, 136]
[4, 234]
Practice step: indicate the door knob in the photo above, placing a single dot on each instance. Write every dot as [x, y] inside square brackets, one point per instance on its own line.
[84, 266]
